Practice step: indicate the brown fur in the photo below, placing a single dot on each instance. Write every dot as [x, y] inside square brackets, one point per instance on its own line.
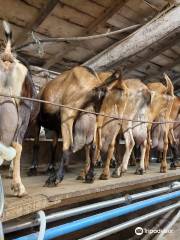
[121, 101]
[75, 88]
[160, 110]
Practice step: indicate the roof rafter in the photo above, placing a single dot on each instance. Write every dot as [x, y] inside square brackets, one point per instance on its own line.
[107, 14]
[162, 70]
[43, 13]
[166, 24]
[153, 52]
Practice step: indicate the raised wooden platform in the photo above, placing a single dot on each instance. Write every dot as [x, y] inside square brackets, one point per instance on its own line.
[72, 191]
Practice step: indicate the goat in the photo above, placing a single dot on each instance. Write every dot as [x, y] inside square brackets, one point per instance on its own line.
[15, 79]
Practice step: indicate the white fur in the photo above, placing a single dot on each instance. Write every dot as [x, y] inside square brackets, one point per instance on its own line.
[13, 79]
[6, 153]
[6, 27]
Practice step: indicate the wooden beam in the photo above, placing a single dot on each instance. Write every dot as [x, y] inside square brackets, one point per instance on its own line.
[162, 70]
[153, 52]
[58, 57]
[107, 14]
[153, 6]
[43, 13]
[157, 29]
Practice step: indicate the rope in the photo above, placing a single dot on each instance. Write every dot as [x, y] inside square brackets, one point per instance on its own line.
[38, 43]
[72, 39]
[85, 111]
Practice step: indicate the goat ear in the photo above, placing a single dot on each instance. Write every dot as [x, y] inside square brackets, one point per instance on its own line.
[113, 78]
[169, 85]
[118, 74]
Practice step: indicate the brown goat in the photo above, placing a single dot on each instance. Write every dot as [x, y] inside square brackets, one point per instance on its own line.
[174, 131]
[161, 105]
[124, 100]
[76, 88]
[134, 132]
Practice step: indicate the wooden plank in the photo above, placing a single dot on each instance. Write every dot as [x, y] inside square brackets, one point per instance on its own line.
[73, 191]
[108, 13]
[43, 13]
[88, 7]
[162, 70]
[153, 52]
[103, 3]
[162, 60]
[58, 57]
[159, 28]
[103, 17]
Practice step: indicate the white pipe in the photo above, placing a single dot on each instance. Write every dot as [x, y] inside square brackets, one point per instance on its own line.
[42, 219]
[1, 208]
[169, 226]
[1, 231]
[92, 207]
[125, 225]
[1, 197]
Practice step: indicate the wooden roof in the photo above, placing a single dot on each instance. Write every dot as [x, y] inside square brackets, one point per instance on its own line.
[66, 18]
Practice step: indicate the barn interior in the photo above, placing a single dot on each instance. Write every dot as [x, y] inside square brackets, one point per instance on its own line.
[145, 49]
[65, 18]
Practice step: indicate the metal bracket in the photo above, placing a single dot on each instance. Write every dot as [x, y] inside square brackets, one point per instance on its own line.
[128, 199]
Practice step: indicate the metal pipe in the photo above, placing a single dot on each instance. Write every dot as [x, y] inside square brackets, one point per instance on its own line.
[169, 226]
[1, 231]
[42, 229]
[1, 197]
[93, 207]
[125, 225]
[1, 208]
[101, 217]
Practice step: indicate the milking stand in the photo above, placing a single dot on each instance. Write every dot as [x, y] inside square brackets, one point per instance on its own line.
[1, 208]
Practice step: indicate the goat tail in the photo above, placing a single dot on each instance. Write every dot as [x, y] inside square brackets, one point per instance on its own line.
[7, 30]
[169, 85]
[8, 34]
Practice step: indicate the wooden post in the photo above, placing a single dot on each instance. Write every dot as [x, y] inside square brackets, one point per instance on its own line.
[157, 29]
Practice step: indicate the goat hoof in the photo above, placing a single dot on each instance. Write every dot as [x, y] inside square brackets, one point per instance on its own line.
[89, 178]
[104, 176]
[50, 171]
[139, 171]
[80, 177]
[19, 189]
[173, 166]
[99, 164]
[163, 169]
[122, 172]
[32, 172]
[53, 181]
[115, 175]
[113, 164]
